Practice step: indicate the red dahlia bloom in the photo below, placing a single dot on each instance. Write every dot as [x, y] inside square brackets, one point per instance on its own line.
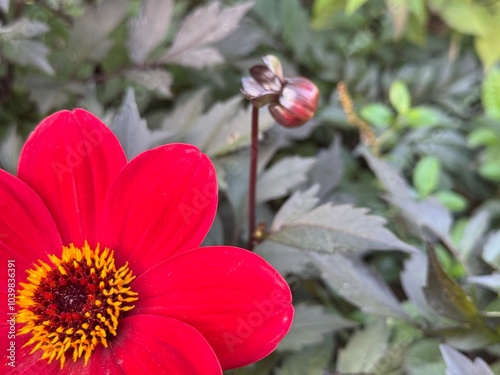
[116, 282]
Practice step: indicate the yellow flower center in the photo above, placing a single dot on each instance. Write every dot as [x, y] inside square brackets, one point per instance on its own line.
[73, 305]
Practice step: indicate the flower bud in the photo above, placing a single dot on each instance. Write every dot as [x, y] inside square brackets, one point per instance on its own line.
[297, 103]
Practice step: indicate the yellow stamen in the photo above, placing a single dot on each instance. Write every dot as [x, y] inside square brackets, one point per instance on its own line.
[74, 305]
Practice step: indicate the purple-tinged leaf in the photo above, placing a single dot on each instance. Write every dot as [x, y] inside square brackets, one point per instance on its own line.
[459, 364]
[149, 28]
[358, 284]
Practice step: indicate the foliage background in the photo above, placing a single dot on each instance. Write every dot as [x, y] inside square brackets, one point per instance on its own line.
[390, 238]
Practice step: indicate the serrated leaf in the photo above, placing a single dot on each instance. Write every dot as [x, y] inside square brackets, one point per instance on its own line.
[199, 58]
[329, 168]
[352, 6]
[205, 25]
[296, 206]
[491, 250]
[426, 175]
[428, 215]
[149, 28]
[330, 229]
[444, 295]
[185, 114]
[129, 128]
[310, 324]
[490, 95]
[28, 52]
[157, 80]
[282, 177]
[88, 36]
[399, 95]
[309, 361]
[459, 364]
[358, 284]
[373, 342]
[49, 94]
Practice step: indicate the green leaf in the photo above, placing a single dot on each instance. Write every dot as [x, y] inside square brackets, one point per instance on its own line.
[459, 364]
[486, 46]
[378, 114]
[484, 136]
[419, 117]
[310, 324]
[399, 96]
[490, 170]
[296, 32]
[423, 357]
[323, 13]
[466, 18]
[445, 296]
[358, 284]
[373, 342]
[451, 200]
[426, 175]
[490, 97]
[353, 5]
[264, 366]
[309, 361]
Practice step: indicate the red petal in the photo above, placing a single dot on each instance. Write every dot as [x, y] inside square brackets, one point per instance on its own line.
[149, 344]
[163, 202]
[70, 160]
[28, 364]
[238, 302]
[27, 231]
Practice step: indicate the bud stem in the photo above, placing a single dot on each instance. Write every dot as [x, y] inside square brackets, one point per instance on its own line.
[254, 148]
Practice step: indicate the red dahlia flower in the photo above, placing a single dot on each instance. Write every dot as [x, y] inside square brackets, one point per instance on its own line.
[115, 281]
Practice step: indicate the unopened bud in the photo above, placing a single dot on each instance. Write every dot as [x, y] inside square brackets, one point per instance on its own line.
[297, 103]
